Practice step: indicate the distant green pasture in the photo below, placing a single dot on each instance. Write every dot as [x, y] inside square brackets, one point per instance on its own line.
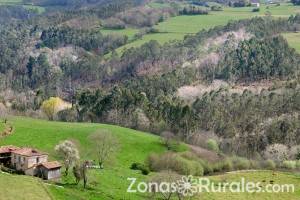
[176, 28]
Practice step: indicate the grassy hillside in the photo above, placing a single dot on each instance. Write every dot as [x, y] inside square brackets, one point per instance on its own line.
[293, 39]
[38, 9]
[112, 181]
[11, 2]
[15, 187]
[176, 28]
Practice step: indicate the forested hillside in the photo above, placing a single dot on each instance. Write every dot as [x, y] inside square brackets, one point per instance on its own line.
[239, 81]
[215, 83]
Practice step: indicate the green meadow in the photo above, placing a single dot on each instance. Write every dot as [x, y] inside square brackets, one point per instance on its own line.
[38, 9]
[11, 1]
[135, 146]
[176, 28]
[110, 183]
[24, 188]
[293, 40]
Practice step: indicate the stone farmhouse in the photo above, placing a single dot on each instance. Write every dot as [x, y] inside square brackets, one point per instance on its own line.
[30, 162]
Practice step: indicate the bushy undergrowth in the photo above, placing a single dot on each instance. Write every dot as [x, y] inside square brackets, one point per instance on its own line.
[142, 167]
[175, 162]
[187, 163]
[289, 164]
[269, 164]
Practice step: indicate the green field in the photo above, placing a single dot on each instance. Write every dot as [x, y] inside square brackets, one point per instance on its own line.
[129, 32]
[264, 177]
[293, 40]
[176, 28]
[16, 187]
[135, 146]
[10, 1]
[38, 9]
[110, 183]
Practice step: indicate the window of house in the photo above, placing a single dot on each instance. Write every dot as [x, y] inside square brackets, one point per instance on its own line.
[37, 160]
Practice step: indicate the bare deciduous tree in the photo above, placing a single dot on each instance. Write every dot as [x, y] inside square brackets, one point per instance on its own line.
[277, 152]
[168, 139]
[165, 177]
[104, 144]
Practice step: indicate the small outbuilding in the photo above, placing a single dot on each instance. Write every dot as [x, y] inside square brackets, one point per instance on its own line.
[49, 170]
[255, 3]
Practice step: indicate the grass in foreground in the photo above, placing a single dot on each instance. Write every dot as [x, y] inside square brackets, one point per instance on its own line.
[264, 177]
[17, 187]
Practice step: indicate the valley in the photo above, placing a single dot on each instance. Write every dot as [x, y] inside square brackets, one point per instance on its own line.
[149, 99]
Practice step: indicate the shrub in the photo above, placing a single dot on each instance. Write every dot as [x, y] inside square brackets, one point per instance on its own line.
[276, 152]
[176, 163]
[207, 167]
[295, 152]
[227, 165]
[241, 163]
[289, 164]
[212, 145]
[239, 4]
[216, 8]
[187, 167]
[67, 115]
[169, 140]
[217, 167]
[254, 164]
[269, 164]
[143, 168]
[136, 166]
[255, 10]
[145, 171]
[190, 11]
[298, 164]
[189, 156]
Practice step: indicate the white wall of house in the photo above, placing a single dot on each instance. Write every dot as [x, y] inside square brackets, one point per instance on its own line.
[23, 163]
[257, 5]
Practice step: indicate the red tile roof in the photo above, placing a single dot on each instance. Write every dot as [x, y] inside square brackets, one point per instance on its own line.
[51, 165]
[8, 149]
[29, 152]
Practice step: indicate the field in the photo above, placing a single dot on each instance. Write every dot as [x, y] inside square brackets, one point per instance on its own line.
[38, 9]
[293, 40]
[264, 177]
[176, 28]
[135, 146]
[12, 2]
[110, 183]
[24, 188]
